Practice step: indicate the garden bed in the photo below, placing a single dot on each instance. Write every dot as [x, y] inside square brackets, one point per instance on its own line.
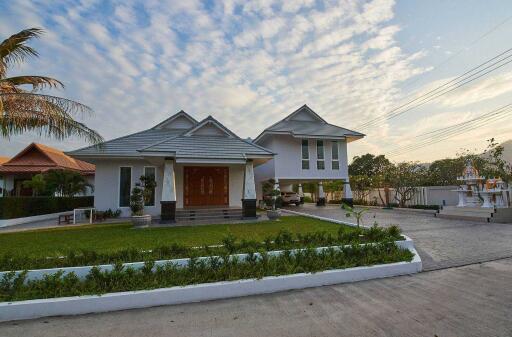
[203, 279]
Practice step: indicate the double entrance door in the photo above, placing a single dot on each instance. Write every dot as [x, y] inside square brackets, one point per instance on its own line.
[206, 186]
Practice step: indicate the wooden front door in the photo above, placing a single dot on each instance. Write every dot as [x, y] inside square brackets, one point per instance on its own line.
[206, 186]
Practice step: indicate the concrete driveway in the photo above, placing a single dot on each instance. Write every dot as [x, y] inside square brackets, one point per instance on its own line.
[441, 243]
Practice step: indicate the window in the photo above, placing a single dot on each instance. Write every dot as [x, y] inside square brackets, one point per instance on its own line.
[125, 185]
[320, 162]
[335, 156]
[305, 154]
[150, 171]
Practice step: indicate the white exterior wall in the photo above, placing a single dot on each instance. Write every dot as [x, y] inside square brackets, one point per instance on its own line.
[429, 195]
[287, 163]
[107, 184]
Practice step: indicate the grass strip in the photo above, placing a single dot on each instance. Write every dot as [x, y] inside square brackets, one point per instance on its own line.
[230, 245]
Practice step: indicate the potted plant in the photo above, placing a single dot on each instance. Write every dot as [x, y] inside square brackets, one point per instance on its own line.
[141, 195]
[274, 213]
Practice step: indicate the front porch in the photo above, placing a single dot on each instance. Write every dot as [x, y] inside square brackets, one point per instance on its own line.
[207, 191]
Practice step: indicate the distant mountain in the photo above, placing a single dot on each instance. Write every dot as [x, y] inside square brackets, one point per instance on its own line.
[507, 150]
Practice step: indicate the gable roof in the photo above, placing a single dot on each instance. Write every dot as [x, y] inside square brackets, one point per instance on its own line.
[210, 121]
[304, 128]
[179, 114]
[184, 143]
[39, 158]
[3, 159]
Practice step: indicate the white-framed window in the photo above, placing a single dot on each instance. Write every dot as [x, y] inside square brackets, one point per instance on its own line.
[125, 185]
[335, 163]
[320, 155]
[305, 154]
[150, 171]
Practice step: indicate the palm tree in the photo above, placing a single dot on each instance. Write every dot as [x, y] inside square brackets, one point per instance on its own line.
[23, 110]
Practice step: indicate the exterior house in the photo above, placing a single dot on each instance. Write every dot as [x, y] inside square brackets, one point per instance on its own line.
[197, 165]
[38, 158]
[308, 149]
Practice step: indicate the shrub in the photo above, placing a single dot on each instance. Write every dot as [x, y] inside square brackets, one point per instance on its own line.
[213, 269]
[18, 207]
[434, 207]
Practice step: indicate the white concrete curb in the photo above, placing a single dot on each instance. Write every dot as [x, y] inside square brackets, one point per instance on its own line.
[201, 292]
[341, 222]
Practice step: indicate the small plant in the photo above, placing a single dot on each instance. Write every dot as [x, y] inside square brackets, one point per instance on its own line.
[352, 211]
[109, 213]
[137, 200]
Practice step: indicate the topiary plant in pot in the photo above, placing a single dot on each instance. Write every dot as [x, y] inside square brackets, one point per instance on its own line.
[139, 219]
[274, 213]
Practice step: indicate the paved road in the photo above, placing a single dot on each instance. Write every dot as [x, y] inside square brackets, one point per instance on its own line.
[441, 243]
[467, 301]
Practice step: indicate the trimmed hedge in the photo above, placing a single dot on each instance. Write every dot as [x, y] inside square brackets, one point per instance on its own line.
[19, 207]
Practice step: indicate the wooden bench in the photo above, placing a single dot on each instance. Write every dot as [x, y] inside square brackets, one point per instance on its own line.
[67, 218]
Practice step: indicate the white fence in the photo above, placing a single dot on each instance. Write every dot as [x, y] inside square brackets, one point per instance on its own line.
[428, 195]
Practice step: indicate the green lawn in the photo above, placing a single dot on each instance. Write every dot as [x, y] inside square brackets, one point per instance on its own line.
[111, 237]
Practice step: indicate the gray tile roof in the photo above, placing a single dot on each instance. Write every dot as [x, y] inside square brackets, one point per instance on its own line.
[312, 129]
[317, 127]
[208, 147]
[174, 141]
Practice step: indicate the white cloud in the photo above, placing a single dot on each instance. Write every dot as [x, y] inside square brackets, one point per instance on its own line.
[247, 63]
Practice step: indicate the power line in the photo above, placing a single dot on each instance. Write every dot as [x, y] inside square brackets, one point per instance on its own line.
[459, 81]
[436, 136]
[445, 136]
[461, 50]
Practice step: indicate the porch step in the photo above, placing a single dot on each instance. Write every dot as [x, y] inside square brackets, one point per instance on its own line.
[208, 214]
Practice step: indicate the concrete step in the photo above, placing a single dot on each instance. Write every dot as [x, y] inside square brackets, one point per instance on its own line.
[468, 209]
[487, 214]
[208, 214]
[463, 217]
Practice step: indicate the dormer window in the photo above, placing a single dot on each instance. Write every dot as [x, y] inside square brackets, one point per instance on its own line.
[335, 164]
[320, 156]
[305, 154]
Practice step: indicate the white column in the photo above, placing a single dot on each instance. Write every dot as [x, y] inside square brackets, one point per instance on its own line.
[276, 184]
[321, 194]
[169, 182]
[300, 192]
[249, 185]
[347, 191]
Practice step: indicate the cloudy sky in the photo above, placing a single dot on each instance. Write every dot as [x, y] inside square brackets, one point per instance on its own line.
[250, 63]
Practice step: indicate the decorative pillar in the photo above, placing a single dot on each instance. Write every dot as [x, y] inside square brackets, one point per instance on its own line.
[321, 195]
[276, 185]
[168, 200]
[462, 197]
[249, 200]
[301, 194]
[347, 193]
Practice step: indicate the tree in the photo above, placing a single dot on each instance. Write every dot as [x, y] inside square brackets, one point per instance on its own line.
[376, 169]
[37, 184]
[369, 165]
[361, 186]
[66, 183]
[404, 178]
[444, 172]
[22, 110]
